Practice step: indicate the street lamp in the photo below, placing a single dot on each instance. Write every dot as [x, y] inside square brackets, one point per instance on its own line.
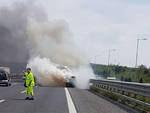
[137, 50]
[109, 54]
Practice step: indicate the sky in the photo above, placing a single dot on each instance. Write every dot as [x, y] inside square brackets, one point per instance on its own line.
[102, 25]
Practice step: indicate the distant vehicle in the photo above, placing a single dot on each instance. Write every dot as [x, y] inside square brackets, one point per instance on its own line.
[4, 76]
[111, 78]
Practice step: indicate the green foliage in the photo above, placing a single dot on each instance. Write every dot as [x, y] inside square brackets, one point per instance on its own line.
[123, 73]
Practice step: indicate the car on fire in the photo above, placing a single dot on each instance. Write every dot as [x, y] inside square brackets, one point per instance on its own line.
[69, 77]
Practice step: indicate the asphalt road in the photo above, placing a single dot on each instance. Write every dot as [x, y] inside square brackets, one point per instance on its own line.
[47, 100]
[53, 100]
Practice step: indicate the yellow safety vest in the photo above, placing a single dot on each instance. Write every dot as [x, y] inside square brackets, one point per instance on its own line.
[29, 78]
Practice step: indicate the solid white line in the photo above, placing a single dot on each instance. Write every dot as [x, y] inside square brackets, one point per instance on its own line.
[71, 106]
[2, 100]
[23, 91]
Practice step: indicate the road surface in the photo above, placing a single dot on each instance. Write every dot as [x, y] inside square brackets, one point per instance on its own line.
[53, 100]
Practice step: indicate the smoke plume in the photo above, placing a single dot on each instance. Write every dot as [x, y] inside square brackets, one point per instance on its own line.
[13, 23]
[47, 45]
[53, 40]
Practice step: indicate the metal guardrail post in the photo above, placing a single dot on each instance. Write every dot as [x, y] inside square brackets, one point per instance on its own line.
[124, 89]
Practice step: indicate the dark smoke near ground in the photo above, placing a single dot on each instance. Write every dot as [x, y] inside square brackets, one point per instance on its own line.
[13, 21]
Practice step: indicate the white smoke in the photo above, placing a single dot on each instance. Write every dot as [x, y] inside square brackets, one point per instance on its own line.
[48, 45]
[83, 74]
[47, 73]
[52, 42]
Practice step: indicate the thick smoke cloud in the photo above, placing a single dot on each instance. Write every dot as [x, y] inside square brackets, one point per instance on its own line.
[53, 40]
[13, 21]
[53, 47]
[27, 35]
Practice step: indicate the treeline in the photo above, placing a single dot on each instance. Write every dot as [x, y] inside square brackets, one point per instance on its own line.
[123, 73]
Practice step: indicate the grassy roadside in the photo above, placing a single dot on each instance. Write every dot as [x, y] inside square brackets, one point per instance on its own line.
[139, 108]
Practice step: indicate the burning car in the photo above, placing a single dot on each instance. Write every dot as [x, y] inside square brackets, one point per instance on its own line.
[69, 79]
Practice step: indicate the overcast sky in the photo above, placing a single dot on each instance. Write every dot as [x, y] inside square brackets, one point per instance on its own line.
[100, 25]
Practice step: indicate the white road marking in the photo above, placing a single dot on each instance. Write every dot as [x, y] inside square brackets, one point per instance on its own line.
[71, 106]
[23, 91]
[14, 84]
[2, 100]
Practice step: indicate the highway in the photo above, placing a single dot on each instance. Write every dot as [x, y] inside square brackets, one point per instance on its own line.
[53, 100]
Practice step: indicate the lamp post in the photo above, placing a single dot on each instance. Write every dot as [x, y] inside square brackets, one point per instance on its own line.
[109, 55]
[137, 50]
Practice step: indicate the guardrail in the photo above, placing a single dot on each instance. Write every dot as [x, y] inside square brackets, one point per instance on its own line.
[127, 90]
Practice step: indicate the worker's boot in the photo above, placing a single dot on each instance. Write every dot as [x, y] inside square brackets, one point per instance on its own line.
[32, 98]
[27, 98]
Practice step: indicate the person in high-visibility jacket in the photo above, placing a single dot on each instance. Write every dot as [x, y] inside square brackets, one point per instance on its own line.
[29, 83]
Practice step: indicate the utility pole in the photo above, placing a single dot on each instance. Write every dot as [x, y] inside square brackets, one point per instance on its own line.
[137, 50]
[137, 53]
[109, 55]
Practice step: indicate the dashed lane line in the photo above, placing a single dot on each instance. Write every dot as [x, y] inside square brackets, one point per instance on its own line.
[2, 100]
[23, 91]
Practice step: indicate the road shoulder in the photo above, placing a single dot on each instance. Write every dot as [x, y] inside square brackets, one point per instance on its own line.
[87, 102]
